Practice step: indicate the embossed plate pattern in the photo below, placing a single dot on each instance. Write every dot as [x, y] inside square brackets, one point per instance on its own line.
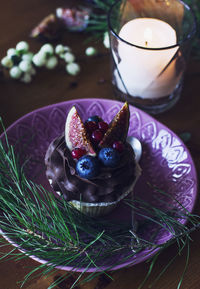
[166, 162]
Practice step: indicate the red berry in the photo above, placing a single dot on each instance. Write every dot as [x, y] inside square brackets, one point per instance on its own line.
[97, 136]
[103, 126]
[91, 126]
[118, 145]
[78, 153]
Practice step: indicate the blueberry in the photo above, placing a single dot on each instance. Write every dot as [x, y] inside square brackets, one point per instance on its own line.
[109, 157]
[87, 167]
[95, 118]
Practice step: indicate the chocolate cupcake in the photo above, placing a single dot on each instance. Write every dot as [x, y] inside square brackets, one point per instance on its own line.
[93, 174]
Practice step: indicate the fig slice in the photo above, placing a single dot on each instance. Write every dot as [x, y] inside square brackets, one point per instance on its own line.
[50, 28]
[75, 133]
[118, 128]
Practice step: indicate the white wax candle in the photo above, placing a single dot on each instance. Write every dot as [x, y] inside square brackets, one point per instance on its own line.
[140, 68]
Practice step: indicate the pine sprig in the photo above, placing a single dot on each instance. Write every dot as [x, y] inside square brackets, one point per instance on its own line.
[98, 18]
[50, 229]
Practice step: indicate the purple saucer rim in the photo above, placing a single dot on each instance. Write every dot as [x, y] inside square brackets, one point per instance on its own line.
[127, 263]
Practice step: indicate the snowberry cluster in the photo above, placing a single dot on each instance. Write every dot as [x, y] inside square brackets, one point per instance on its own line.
[48, 57]
[65, 53]
[87, 166]
[21, 62]
[45, 57]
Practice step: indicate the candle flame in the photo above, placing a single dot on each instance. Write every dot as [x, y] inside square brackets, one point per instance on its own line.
[147, 36]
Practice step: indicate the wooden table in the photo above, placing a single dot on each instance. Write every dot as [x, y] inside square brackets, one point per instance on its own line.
[17, 18]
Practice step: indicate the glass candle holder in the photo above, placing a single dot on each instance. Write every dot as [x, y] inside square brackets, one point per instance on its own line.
[150, 41]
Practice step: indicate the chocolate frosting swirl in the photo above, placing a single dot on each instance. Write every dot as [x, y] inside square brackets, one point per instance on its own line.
[106, 187]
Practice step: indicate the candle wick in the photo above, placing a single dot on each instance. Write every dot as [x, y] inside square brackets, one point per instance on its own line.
[146, 43]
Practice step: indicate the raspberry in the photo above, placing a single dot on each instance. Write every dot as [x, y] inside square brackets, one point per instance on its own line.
[97, 136]
[78, 152]
[103, 126]
[118, 145]
[91, 126]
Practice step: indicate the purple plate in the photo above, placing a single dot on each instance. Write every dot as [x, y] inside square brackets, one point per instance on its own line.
[166, 163]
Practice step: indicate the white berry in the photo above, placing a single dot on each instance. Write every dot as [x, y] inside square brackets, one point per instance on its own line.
[43, 54]
[39, 59]
[69, 57]
[22, 46]
[27, 56]
[90, 51]
[51, 63]
[67, 49]
[47, 48]
[15, 72]
[32, 71]
[25, 65]
[106, 40]
[11, 52]
[7, 62]
[59, 49]
[26, 78]
[73, 68]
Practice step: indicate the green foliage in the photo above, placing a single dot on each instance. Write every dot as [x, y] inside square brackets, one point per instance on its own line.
[98, 20]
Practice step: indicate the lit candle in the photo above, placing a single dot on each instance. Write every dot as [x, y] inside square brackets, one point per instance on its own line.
[147, 36]
[141, 69]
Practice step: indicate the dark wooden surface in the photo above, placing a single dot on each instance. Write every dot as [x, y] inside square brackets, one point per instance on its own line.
[17, 18]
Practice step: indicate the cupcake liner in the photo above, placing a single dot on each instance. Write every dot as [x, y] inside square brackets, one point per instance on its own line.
[103, 208]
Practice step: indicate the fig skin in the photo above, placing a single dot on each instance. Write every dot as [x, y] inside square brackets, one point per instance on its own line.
[118, 128]
[49, 29]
